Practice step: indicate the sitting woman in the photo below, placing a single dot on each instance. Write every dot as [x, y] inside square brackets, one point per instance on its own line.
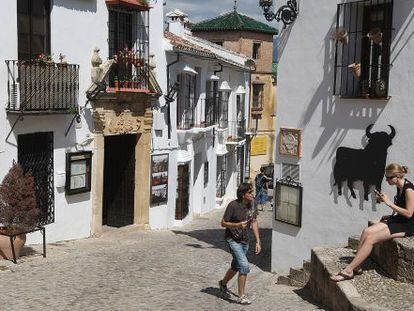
[397, 225]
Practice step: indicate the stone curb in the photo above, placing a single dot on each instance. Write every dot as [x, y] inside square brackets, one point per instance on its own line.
[337, 296]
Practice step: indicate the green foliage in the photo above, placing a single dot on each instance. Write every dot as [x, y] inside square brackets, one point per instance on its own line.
[18, 206]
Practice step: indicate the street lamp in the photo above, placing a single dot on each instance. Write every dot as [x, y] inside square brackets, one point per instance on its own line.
[287, 13]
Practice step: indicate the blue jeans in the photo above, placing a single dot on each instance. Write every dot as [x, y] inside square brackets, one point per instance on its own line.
[261, 197]
[239, 251]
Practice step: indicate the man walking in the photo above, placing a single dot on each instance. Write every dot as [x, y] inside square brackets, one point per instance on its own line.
[261, 181]
[240, 215]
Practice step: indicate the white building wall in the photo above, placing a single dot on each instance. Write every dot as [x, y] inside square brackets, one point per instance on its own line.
[76, 27]
[305, 101]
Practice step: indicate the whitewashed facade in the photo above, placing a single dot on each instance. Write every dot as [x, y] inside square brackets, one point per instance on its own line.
[306, 101]
[203, 132]
[76, 28]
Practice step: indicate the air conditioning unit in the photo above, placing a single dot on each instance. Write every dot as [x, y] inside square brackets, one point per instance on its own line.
[14, 96]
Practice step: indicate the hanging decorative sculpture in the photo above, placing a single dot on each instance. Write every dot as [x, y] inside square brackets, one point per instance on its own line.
[355, 69]
[340, 34]
[375, 35]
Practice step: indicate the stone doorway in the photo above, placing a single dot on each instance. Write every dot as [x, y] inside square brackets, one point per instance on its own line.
[119, 180]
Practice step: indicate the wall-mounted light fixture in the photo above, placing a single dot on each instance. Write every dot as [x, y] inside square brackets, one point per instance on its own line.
[287, 13]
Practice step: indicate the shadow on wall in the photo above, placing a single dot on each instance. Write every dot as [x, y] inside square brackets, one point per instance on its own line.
[77, 5]
[405, 10]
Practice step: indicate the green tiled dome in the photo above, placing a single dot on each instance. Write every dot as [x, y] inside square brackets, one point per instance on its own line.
[234, 21]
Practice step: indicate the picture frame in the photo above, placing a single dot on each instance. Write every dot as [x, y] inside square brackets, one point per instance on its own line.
[78, 172]
[288, 201]
[159, 179]
[290, 142]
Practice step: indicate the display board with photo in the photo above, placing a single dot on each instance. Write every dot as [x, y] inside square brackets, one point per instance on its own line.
[159, 179]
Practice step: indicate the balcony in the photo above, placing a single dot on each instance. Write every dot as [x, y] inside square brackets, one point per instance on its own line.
[140, 5]
[39, 87]
[130, 73]
[236, 131]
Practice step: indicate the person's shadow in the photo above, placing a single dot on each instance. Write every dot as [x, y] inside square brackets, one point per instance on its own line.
[215, 291]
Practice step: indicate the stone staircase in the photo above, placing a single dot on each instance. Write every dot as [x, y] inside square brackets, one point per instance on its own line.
[387, 281]
[297, 277]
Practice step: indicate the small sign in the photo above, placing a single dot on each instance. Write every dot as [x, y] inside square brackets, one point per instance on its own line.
[78, 172]
[259, 145]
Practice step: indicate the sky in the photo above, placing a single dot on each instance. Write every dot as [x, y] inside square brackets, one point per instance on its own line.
[199, 10]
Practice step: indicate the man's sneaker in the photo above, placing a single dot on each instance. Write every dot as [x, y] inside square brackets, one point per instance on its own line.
[223, 289]
[243, 300]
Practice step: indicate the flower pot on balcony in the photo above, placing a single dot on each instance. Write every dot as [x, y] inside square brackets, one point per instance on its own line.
[341, 35]
[375, 35]
[5, 246]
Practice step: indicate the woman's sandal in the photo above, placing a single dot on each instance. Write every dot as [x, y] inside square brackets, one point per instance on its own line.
[341, 276]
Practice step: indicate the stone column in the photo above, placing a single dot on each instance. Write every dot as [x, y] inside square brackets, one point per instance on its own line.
[97, 183]
[142, 179]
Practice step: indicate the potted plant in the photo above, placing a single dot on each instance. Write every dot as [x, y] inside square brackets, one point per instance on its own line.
[18, 209]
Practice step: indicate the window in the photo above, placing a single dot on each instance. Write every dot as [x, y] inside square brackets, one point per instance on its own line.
[256, 50]
[33, 28]
[223, 109]
[205, 174]
[78, 172]
[35, 153]
[186, 100]
[212, 100]
[363, 40]
[221, 176]
[257, 95]
[289, 202]
[129, 43]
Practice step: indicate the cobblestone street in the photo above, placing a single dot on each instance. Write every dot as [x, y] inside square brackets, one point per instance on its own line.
[128, 269]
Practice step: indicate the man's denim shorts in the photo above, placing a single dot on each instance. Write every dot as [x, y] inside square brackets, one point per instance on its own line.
[239, 251]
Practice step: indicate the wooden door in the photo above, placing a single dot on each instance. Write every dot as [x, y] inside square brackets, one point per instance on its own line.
[183, 187]
[119, 180]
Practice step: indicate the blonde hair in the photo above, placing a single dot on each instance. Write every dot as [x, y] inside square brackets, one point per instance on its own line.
[399, 170]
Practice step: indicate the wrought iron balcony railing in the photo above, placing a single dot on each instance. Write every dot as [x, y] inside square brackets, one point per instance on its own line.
[206, 114]
[130, 72]
[237, 131]
[40, 87]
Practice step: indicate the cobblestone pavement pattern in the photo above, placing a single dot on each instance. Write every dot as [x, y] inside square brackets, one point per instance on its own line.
[127, 269]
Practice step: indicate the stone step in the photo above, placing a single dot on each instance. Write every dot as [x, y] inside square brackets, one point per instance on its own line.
[370, 291]
[299, 277]
[307, 266]
[283, 280]
[353, 242]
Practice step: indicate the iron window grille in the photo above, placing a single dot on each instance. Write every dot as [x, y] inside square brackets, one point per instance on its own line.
[35, 154]
[362, 52]
[33, 28]
[257, 96]
[240, 164]
[221, 176]
[186, 100]
[211, 103]
[78, 172]
[223, 109]
[129, 46]
[291, 171]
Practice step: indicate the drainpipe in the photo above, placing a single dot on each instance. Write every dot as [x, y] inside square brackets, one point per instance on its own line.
[168, 87]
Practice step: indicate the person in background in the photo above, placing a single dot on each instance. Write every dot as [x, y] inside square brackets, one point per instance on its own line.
[261, 181]
[397, 225]
[240, 215]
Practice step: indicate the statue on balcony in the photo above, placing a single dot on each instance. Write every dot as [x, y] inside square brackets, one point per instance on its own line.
[96, 62]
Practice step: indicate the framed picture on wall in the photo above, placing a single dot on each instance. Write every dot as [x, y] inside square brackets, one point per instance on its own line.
[78, 172]
[159, 179]
[289, 201]
[290, 142]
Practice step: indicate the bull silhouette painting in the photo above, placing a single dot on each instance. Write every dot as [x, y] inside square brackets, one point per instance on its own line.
[367, 165]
